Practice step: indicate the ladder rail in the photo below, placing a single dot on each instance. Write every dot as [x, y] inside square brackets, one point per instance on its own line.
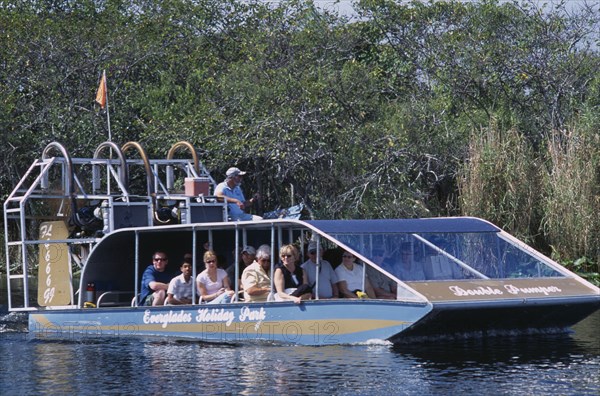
[41, 163]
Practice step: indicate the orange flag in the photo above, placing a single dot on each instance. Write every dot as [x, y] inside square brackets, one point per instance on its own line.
[102, 92]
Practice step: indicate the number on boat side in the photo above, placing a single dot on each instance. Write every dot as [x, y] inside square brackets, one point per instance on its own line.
[330, 330]
[49, 295]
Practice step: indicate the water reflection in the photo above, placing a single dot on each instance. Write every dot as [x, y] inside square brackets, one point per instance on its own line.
[525, 349]
[56, 377]
[252, 375]
[561, 364]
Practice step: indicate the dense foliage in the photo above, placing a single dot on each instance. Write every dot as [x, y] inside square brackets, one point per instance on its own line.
[480, 108]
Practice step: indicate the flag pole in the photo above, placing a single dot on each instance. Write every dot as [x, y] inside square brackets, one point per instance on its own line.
[107, 108]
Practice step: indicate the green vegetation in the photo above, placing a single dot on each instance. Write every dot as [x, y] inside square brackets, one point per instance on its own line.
[480, 108]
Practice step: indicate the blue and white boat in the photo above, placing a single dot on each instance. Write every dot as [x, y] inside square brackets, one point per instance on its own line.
[476, 280]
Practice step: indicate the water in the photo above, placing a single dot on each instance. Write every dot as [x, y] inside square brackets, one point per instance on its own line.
[564, 364]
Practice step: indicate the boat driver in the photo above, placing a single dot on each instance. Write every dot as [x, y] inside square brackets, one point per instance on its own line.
[231, 191]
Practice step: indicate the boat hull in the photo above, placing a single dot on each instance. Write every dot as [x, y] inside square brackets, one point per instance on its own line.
[323, 322]
[507, 317]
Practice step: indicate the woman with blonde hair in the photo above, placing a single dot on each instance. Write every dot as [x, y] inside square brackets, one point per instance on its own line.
[290, 280]
[213, 283]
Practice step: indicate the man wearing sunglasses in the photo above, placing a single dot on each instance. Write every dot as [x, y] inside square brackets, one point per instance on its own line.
[256, 278]
[155, 280]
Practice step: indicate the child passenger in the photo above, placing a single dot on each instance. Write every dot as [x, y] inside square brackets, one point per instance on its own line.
[180, 288]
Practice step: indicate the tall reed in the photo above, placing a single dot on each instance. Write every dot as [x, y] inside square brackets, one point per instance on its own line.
[500, 181]
[571, 203]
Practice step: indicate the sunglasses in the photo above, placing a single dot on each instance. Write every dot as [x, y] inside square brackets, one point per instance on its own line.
[160, 259]
[210, 261]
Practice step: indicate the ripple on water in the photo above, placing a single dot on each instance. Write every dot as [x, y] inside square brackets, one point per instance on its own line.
[13, 322]
[526, 364]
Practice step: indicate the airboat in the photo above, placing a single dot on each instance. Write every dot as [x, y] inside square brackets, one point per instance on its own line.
[85, 229]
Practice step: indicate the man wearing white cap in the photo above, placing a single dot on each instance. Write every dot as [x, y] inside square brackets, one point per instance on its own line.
[230, 190]
[327, 277]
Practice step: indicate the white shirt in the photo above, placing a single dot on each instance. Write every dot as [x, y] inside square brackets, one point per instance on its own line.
[179, 288]
[353, 278]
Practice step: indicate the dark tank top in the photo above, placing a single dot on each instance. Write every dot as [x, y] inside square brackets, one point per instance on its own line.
[289, 279]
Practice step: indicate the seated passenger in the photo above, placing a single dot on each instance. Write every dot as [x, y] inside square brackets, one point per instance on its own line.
[289, 278]
[350, 275]
[438, 267]
[180, 287]
[155, 280]
[327, 277]
[408, 268]
[246, 257]
[383, 286]
[213, 283]
[256, 279]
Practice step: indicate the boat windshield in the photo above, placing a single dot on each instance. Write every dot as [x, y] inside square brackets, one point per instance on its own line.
[416, 256]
